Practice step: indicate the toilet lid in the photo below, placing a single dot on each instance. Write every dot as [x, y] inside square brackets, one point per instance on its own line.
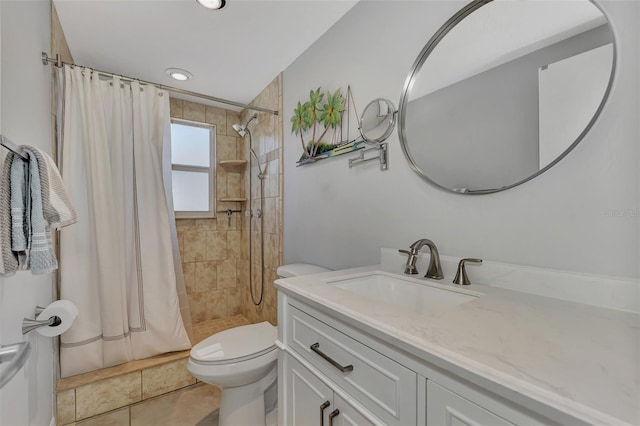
[236, 343]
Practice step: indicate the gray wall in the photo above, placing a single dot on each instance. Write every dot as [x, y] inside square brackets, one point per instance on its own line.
[578, 216]
[25, 118]
[483, 132]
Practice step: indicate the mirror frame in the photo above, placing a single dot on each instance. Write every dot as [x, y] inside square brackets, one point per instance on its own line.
[421, 59]
[390, 127]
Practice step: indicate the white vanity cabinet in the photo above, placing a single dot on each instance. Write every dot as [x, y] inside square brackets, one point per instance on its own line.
[384, 388]
[446, 408]
[452, 402]
[311, 402]
[327, 365]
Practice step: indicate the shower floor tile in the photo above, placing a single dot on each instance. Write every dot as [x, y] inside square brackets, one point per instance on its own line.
[202, 330]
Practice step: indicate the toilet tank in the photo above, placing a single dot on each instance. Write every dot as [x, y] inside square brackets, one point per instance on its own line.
[298, 269]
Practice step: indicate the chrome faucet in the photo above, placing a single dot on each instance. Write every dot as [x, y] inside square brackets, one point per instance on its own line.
[435, 270]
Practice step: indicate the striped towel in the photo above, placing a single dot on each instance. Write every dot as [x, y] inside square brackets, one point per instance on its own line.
[9, 259]
[56, 206]
[34, 212]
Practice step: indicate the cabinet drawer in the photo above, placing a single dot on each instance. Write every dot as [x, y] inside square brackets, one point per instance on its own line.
[383, 386]
[445, 408]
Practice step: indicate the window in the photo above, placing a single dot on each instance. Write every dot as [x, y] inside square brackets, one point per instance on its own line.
[193, 168]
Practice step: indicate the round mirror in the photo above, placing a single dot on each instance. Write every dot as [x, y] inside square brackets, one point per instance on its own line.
[504, 90]
[378, 120]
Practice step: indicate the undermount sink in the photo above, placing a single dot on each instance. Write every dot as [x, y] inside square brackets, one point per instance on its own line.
[418, 297]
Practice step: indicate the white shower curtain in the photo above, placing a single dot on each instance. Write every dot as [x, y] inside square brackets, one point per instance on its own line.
[117, 263]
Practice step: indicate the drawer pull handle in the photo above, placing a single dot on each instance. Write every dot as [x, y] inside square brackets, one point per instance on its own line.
[333, 414]
[345, 369]
[322, 408]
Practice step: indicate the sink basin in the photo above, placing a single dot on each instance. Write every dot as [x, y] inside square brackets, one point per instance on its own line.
[417, 297]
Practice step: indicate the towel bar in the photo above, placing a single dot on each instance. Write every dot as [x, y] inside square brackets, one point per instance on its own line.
[13, 357]
[4, 141]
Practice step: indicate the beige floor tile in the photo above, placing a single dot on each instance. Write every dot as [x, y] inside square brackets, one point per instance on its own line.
[202, 330]
[196, 405]
[114, 418]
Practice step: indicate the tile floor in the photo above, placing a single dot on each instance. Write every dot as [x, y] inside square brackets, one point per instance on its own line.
[202, 330]
[193, 406]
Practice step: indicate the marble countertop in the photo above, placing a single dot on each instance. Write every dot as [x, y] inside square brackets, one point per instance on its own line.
[579, 359]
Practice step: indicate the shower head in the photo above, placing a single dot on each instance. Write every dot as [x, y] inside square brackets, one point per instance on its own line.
[241, 129]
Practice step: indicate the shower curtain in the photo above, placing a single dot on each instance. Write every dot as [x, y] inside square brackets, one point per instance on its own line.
[118, 264]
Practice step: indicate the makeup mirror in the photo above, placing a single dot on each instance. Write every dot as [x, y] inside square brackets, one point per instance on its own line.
[377, 121]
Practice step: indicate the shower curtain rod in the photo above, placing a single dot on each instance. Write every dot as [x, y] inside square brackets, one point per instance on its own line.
[46, 60]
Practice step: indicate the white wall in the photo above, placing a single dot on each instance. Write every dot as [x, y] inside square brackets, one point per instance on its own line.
[340, 217]
[25, 118]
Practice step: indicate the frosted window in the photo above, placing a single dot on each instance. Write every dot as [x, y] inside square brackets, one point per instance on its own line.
[190, 191]
[190, 145]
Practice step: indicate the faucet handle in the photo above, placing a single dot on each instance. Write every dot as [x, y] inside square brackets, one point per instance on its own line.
[410, 267]
[461, 274]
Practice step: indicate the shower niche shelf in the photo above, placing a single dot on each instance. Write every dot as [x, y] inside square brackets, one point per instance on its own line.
[232, 200]
[233, 164]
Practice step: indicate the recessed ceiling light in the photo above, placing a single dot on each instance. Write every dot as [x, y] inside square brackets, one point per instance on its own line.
[179, 74]
[212, 4]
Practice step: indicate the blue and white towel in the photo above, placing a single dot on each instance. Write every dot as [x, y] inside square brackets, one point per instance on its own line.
[34, 194]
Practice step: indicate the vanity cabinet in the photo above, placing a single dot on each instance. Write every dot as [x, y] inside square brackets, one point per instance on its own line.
[385, 388]
[446, 408]
[313, 403]
[328, 365]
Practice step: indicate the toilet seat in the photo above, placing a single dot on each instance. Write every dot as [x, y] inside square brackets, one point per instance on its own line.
[236, 345]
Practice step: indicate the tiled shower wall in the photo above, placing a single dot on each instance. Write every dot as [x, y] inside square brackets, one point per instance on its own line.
[267, 142]
[211, 249]
[215, 252]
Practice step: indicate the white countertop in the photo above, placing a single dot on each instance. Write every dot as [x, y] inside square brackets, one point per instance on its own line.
[582, 360]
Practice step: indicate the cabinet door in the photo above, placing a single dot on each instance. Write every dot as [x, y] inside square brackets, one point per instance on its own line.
[348, 416]
[445, 408]
[306, 396]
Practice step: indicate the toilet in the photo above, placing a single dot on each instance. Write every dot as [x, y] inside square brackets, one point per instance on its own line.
[242, 361]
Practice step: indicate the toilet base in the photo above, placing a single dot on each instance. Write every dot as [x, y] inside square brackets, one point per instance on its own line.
[244, 405]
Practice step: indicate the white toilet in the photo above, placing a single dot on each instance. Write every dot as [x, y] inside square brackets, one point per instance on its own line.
[242, 361]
